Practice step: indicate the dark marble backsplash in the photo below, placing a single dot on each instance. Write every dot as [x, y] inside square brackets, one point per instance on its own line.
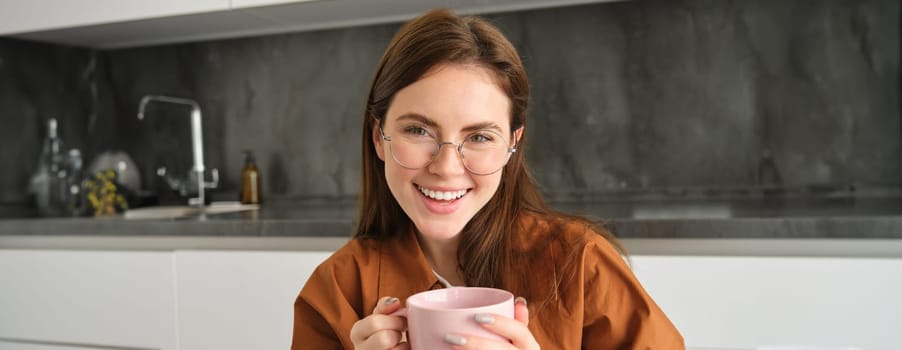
[626, 96]
[39, 81]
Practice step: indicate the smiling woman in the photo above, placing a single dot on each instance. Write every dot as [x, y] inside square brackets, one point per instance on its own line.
[468, 214]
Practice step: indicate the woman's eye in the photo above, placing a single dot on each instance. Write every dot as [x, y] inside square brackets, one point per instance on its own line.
[416, 131]
[480, 138]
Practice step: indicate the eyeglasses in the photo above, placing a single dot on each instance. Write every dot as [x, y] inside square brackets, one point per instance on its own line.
[483, 152]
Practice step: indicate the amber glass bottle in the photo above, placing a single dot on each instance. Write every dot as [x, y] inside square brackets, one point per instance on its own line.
[251, 191]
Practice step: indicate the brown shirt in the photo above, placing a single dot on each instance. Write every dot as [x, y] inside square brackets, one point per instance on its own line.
[602, 307]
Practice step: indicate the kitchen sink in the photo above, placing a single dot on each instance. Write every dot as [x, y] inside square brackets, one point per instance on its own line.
[185, 211]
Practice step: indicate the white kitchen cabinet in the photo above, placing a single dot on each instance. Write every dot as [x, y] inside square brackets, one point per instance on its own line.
[56, 299]
[239, 299]
[62, 300]
[4, 345]
[724, 302]
[106, 24]
[39, 15]
[237, 4]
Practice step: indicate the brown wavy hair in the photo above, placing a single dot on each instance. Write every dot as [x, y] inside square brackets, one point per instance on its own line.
[441, 37]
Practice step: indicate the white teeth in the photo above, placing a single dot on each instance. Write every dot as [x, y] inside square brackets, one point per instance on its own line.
[442, 196]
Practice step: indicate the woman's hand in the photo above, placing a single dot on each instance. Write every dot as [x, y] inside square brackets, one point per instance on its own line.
[380, 331]
[511, 328]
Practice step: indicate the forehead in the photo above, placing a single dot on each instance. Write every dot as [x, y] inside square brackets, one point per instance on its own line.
[454, 96]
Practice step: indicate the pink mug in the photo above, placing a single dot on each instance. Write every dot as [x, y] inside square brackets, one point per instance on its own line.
[433, 314]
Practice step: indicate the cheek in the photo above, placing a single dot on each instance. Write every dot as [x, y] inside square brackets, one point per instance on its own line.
[397, 176]
[490, 183]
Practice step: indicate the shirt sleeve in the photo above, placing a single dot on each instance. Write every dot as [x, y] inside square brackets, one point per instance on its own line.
[311, 331]
[326, 308]
[618, 312]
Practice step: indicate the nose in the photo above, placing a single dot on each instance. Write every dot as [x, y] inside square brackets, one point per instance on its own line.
[447, 160]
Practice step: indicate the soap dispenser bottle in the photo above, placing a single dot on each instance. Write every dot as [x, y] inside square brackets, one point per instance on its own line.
[251, 191]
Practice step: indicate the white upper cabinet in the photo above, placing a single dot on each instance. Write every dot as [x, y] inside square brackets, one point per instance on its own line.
[108, 24]
[237, 4]
[39, 15]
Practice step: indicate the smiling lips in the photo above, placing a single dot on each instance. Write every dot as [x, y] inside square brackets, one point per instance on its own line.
[442, 195]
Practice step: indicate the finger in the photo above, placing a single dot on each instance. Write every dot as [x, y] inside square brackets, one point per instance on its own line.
[403, 345]
[387, 305]
[521, 311]
[383, 339]
[366, 327]
[363, 328]
[459, 341]
[509, 328]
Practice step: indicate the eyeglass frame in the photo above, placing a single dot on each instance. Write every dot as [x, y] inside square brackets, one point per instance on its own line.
[438, 148]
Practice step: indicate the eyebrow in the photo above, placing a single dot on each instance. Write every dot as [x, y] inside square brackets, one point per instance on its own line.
[431, 123]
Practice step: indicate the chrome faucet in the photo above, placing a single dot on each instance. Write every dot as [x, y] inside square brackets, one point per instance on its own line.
[197, 144]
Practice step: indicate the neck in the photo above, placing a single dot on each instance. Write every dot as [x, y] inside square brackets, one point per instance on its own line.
[442, 256]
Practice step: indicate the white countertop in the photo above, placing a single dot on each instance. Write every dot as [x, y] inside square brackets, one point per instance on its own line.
[862, 248]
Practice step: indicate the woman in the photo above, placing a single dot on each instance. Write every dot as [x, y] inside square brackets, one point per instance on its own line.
[447, 200]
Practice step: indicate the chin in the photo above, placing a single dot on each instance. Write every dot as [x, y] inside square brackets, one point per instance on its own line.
[439, 230]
